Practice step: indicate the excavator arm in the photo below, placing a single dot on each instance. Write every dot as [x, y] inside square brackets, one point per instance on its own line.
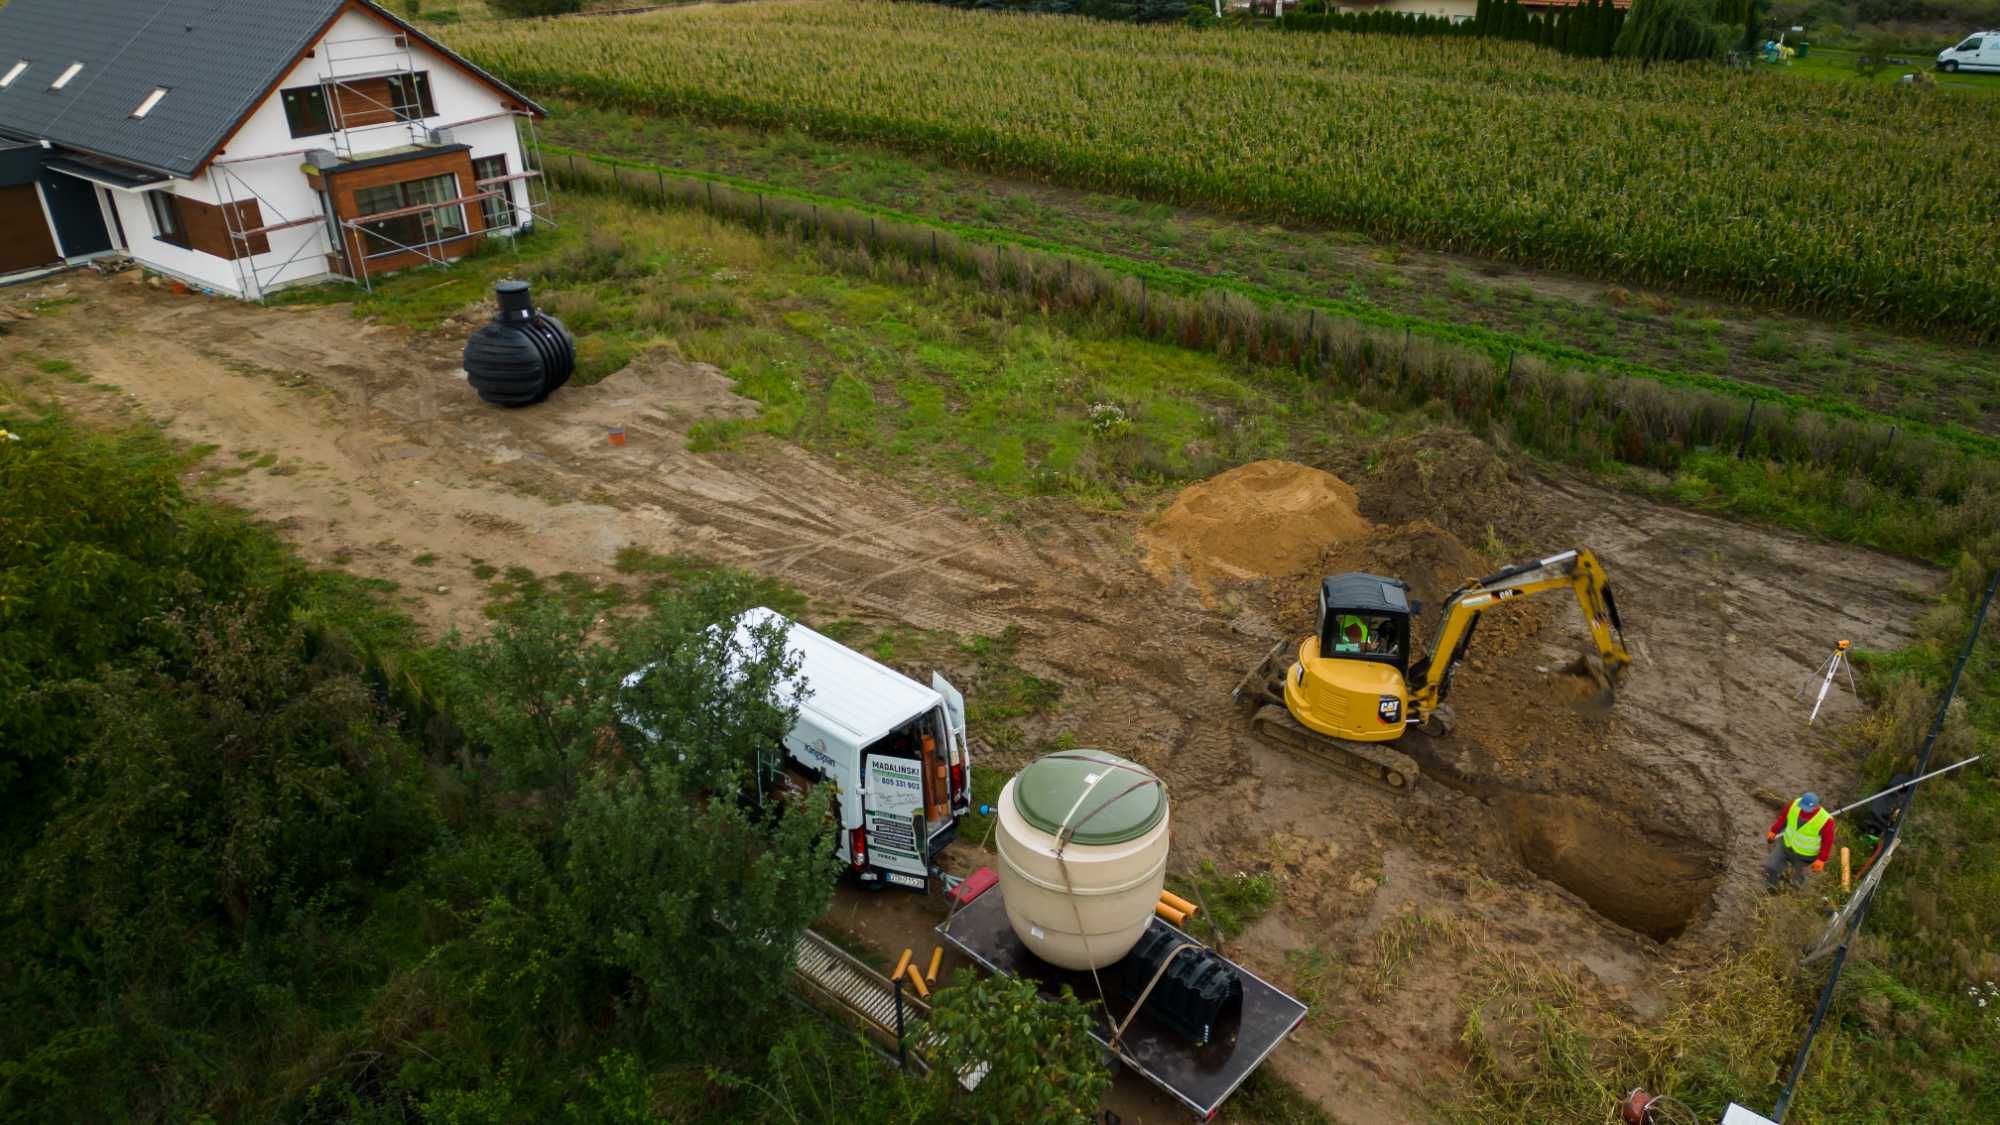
[1577, 569]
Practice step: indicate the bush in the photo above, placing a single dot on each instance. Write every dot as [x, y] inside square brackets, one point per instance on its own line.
[1042, 1065]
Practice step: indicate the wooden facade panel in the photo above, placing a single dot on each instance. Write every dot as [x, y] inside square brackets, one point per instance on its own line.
[368, 101]
[207, 228]
[342, 185]
[25, 241]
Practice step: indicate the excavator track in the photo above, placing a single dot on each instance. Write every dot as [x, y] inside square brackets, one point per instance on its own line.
[1374, 762]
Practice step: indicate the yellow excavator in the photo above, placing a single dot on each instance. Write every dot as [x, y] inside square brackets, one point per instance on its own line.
[1352, 689]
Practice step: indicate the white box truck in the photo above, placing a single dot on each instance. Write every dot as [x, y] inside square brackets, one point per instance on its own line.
[893, 749]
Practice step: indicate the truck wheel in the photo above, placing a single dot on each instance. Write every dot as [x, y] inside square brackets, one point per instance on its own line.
[1949, 67]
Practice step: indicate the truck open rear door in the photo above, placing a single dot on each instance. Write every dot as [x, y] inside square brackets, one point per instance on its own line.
[961, 757]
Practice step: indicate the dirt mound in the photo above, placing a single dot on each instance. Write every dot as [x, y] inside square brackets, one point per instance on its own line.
[1267, 519]
[1448, 477]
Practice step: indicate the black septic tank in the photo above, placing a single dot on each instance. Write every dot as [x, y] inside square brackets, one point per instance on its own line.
[521, 355]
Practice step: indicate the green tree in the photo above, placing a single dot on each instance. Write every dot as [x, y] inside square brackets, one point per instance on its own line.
[1671, 31]
[97, 545]
[227, 796]
[647, 877]
[1041, 1063]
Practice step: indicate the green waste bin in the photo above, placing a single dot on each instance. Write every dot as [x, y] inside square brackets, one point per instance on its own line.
[1800, 48]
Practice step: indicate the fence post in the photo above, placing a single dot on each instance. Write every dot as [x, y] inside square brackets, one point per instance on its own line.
[711, 195]
[760, 212]
[1743, 440]
[934, 250]
[1142, 301]
[902, 1053]
[661, 175]
[874, 244]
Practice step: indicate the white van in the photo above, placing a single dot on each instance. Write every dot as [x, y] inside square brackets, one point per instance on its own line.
[1980, 51]
[893, 749]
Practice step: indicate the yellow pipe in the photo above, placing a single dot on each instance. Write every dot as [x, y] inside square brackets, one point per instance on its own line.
[901, 964]
[1177, 902]
[937, 955]
[1177, 917]
[917, 980]
[1843, 851]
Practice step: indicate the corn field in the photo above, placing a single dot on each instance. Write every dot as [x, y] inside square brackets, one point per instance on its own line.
[1748, 185]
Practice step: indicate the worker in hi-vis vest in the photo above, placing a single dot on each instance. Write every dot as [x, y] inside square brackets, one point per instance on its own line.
[1353, 634]
[1802, 834]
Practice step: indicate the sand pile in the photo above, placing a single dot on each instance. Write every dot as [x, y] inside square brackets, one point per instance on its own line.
[1267, 519]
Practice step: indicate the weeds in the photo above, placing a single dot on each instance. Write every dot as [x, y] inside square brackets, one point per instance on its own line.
[1231, 902]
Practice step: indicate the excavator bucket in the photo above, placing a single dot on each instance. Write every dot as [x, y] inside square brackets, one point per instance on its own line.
[1596, 681]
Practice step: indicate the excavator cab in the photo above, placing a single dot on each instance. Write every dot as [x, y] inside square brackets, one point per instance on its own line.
[1351, 678]
[1366, 617]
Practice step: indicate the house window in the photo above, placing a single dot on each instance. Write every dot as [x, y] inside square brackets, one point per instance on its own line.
[305, 111]
[13, 72]
[498, 210]
[410, 96]
[67, 74]
[166, 212]
[424, 228]
[152, 100]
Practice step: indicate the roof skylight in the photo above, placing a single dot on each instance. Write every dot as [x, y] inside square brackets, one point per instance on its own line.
[152, 100]
[63, 78]
[13, 72]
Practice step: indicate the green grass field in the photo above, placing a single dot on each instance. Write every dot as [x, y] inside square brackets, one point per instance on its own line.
[1838, 65]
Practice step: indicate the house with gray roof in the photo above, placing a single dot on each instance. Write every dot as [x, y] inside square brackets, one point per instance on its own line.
[242, 146]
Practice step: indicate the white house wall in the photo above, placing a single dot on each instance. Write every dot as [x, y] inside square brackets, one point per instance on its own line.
[277, 182]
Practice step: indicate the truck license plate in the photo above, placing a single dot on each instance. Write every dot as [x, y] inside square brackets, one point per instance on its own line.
[913, 882]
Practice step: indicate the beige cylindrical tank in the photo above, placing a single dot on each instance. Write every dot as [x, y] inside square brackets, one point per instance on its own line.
[1086, 908]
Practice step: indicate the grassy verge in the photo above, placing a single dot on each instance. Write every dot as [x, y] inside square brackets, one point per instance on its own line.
[757, 202]
[1900, 375]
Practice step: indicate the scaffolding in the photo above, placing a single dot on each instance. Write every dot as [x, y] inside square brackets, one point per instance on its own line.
[341, 246]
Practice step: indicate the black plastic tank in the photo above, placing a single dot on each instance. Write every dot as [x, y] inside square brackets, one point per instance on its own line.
[521, 355]
[1198, 992]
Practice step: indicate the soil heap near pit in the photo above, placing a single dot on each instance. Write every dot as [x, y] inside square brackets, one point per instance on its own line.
[1267, 519]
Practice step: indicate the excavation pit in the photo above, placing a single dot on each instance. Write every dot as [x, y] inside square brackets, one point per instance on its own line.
[1651, 881]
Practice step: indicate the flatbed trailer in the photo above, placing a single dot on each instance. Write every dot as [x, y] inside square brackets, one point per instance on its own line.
[1200, 1078]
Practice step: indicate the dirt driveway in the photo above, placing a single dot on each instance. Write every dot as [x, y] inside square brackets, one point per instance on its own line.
[1576, 839]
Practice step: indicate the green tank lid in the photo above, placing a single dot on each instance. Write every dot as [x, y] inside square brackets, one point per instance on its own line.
[1047, 791]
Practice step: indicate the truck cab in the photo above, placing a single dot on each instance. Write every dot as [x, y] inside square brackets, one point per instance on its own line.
[893, 749]
[1979, 51]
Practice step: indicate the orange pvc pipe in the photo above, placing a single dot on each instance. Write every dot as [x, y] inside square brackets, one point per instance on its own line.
[1177, 917]
[917, 981]
[902, 963]
[1178, 903]
[937, 955]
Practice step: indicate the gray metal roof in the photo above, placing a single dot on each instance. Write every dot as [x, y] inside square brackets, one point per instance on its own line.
[215, 57]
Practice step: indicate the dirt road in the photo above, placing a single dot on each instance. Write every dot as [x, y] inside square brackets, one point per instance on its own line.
[1574, 838]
